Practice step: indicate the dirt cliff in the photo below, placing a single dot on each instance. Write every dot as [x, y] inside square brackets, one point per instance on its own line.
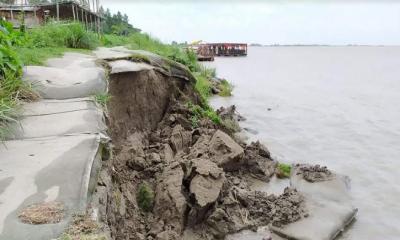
[193, 177]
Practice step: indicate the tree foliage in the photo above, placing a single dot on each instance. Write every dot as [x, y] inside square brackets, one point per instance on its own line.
[117, 24]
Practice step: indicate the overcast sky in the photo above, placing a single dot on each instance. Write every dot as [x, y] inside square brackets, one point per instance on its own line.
[266, 22]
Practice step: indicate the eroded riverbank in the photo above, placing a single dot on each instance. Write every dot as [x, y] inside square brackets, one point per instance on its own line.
[175, 177]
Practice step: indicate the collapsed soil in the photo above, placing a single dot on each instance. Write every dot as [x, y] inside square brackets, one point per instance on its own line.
[199, 174]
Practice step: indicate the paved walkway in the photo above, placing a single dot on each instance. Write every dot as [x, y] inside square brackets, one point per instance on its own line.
[54, 152]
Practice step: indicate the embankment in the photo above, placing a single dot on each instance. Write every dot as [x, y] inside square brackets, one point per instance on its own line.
[169, 178]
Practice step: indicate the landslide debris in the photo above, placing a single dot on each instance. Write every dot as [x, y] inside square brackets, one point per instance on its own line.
[314, 173]
[198, 173]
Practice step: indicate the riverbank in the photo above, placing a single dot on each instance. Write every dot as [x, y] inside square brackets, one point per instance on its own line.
[172, 179]
[175, 170]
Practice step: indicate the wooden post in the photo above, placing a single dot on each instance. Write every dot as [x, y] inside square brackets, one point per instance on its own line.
[73, 12]
[87, 25]
[77, 13]
[12, 15]
[35, 16]
[58, 11]
[82, 16]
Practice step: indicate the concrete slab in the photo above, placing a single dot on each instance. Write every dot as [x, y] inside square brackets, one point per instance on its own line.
[72, 60]
[43, 170]
[58, 83]
[57, 118]
[329, 206]
[112, 53]
[121, 66]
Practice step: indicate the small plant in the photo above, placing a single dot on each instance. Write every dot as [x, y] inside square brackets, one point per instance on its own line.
[102, 99]
[283, 170]
[198, 112]
[145, 197]
[226, 88]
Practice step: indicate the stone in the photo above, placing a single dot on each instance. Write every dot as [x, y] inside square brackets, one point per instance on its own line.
[226, 152]
[180, 138]
[170, 203]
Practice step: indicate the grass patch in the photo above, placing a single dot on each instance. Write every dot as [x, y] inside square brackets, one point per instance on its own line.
[38, 56]
[140, 58]
[64, 35]
[102, 99]
[145, 197]
[283, 170]
[198, 113]
[12, 91]
[226, 88]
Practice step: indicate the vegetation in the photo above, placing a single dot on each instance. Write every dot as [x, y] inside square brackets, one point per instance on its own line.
[284, 170]
[199, 112]
[226, 88]
[102, 99]
[34, 46]
[11, 86]
[117, 24]
[145, 197]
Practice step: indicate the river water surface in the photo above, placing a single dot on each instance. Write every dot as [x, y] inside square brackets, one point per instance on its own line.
[334, 106]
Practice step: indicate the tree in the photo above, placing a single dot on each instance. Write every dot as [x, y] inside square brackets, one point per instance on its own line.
[117, 23]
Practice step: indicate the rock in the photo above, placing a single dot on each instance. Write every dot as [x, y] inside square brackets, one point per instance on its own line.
[205, 180]
[314, 173]
[180, 138]
[225, 151]
[257, 160]
[168, 235]
[170, 203]
[207, 183]
[137, 163]
[168, 153]
[154, 158]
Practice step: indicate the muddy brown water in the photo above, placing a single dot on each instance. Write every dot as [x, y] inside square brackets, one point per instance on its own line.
[335, 106]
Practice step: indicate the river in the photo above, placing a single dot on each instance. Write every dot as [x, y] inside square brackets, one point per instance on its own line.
[334, 106]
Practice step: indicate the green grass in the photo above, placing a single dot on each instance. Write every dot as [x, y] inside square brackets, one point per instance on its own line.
[38, 56]
[102, 99]
[284, 170]
[12, 90]
[226, 88]
[64, 35]
[199, 112]
[145, 197]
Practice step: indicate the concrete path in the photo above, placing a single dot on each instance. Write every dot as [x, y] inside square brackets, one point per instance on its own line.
[54, 153]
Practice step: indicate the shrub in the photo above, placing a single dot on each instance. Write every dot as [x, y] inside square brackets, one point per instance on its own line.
[198, 113]
[102, 99]
[284, 170]
[145, 197]
[69, 34]
[9, 61]
[226, 88]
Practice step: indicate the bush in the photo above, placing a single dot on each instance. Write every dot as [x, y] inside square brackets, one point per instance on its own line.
[9, 61]
[198, 113]
[145, 197]
[69, 34]
[226, 88]
[284, 170]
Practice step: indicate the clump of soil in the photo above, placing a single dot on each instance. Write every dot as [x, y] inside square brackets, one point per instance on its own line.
[199, 174]
[43, 213]
[314, 173]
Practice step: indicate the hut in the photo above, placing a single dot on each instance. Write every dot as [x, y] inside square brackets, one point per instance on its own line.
[222, 49]
[85, 11]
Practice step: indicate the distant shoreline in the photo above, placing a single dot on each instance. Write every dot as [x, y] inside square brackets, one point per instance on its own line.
[321, 45]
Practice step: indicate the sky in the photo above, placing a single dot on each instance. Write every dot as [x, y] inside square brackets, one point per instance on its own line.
[266, 22]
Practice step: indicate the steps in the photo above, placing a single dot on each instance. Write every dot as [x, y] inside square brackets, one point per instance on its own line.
[55, 151]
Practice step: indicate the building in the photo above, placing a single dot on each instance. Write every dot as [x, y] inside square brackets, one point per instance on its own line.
[85, 11]
[222, 49]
